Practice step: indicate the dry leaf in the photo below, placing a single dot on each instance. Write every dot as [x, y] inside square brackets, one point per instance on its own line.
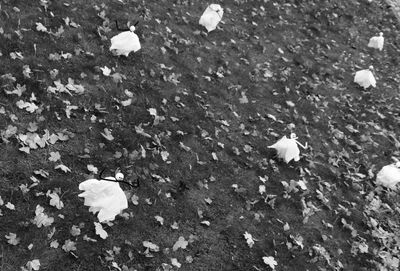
[106, 71]
[243, 99]
[63, 168]
[56, 201]
[175, 262]
[159, 219]
[92, 169]
[54, 156]
[151, 246]
[10, 206]
[181, 243]
[12, 239]
[41, 28]
[100, 231]
[270, 261]
[41, 219]
[135, 199]
[107, 134]
[69, 246]
[75, 230]
[54, 244]
[33, 265]
[249, 239]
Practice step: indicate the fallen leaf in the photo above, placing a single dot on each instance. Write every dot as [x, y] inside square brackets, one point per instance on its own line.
[41, 28]
[126, 102]
[30, 107]
[175, 226]
[164, 155]
[54, 156]
[12, 239]
[100, 231]
[270, 261]
[10, 206]
[106, 71]
[107, 134]
[135, 199]
[18, 90]
[175, 262]
[41, 219]
[290, 103]
[181, 243]
[243, 99]
[184, 147]
[159, 219]
[262, 189]
[92, 169]
[69, 246]
[75, 230]
[54, 244]
[63, 168]
[151, 246]
[249, 239]
[56, 201]
[33, 265]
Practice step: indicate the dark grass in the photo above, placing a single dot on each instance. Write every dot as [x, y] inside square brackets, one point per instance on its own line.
[324, 43]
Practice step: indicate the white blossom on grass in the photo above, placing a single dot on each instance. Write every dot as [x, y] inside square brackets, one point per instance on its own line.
[104, 197]
[287, 148]
[125, 42]
[211, 17]
[377, 42]
[365, 78]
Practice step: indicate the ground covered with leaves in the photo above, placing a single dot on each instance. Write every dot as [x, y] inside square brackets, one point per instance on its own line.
[190, 117]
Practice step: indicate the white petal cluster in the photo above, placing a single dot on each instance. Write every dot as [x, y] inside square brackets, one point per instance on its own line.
[377, 42]
[389, 176]
[125, 42]
[365, 78]
[104, 197]
[287, 148]
[211, 17]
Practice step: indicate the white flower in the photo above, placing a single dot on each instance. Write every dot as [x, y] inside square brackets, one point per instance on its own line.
[125, 42]
[377, 42]
[211, 17]
[105, 197]
[365, 78]
[287, 148]
[388, 176]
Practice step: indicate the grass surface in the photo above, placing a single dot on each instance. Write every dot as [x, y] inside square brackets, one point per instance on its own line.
[271, 68]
